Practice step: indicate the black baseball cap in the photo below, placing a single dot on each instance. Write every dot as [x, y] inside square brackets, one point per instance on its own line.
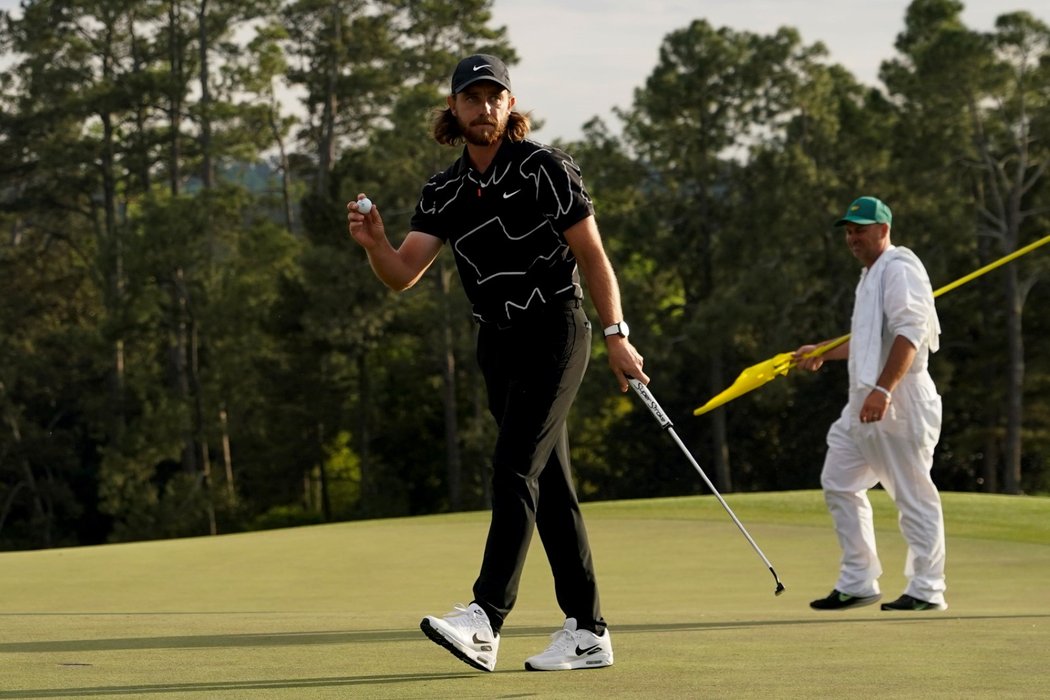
[480, 66]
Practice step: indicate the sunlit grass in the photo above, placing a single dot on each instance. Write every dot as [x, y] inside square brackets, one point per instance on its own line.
[332, 611]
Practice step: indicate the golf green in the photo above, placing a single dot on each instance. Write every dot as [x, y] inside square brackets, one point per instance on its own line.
[332, 611]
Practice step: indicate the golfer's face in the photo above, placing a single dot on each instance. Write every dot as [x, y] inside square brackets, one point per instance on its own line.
[867, 241]
[482, 110]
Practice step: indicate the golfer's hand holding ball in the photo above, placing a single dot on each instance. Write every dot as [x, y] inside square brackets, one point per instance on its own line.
[365, 224]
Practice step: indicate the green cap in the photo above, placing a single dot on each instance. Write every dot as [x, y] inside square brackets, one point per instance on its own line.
[866, 210]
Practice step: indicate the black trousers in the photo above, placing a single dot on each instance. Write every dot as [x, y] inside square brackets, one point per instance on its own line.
[533, 371]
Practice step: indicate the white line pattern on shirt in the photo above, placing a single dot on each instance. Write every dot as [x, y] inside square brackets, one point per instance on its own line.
[539, 246]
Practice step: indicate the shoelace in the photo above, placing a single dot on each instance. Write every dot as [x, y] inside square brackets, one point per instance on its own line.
[458, 610]
[562, 641]
[464, 616]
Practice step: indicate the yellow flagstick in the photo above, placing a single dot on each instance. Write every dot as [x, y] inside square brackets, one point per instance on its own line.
[991, 266]
[779, 365]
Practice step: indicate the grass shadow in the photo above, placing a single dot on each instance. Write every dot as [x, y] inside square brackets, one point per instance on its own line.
[411, 635]
[227, 686]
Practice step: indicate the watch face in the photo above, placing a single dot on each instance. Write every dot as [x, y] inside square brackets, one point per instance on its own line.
[624, 330]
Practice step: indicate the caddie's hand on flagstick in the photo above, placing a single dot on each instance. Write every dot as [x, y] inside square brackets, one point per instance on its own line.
[810, 364]
[811, 357]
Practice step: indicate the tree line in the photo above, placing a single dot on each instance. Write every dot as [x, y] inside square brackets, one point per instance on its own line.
[190, 344]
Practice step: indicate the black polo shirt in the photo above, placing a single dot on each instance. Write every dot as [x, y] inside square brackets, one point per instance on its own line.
[507, 227]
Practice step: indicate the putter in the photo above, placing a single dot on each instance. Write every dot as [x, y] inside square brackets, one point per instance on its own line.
[665, 423]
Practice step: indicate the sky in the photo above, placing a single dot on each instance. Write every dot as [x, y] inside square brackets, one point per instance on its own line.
[583, 58]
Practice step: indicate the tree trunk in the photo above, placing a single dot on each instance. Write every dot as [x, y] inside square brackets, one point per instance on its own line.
[199, 439]
[175, 97]
[326, 500]
[207, 167]
[179, 353]
[9, 501]
[723, 477]
[227, 455]
[364, 435]
[286, 177]
[989, 415]
[29, 481]
[990, 459]
[115, 292]
[1014, 386]
[326, 143]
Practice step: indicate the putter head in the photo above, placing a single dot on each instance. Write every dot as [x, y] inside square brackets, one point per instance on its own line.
[780, 586]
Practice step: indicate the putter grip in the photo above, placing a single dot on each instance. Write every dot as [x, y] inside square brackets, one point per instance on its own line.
[650, 402]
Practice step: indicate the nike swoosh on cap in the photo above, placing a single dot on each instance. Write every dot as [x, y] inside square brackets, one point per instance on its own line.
[479, 67]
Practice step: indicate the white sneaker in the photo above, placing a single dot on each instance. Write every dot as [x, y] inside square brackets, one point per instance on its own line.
[467, 633]
[571, 648]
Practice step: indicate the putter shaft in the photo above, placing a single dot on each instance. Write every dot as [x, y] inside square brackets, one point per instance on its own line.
[654, 407]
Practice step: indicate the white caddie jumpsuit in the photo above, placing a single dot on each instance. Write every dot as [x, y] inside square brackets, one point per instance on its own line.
[894, 298]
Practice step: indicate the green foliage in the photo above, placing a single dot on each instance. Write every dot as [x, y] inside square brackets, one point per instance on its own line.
[285, 516]
[190, 344]
[971, 105]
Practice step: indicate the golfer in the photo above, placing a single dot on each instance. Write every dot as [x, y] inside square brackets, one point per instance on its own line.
[521, 227]
[891, 423]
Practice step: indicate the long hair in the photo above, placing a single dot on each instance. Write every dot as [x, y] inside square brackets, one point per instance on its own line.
[444, 127]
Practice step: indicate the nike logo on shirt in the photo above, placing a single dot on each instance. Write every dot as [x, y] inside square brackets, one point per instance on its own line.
[508, 195]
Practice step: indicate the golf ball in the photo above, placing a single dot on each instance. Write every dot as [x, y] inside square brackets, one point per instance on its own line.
[364, 205]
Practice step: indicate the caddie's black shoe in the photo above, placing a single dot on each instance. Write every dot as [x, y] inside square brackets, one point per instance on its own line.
[906, 602]
[842, 601]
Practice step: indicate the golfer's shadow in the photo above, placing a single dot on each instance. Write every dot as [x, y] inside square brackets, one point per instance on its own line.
[205, 641]
[372, 637]
[276, 639]
[226, 686]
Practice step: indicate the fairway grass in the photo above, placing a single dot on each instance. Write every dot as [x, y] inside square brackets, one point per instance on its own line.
[332, 611]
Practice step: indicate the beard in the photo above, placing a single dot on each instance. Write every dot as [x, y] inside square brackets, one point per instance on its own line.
[473, 133]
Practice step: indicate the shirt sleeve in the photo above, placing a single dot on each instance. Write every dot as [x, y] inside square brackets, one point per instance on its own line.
[562, 196]
[907, 302]
[426, 217]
